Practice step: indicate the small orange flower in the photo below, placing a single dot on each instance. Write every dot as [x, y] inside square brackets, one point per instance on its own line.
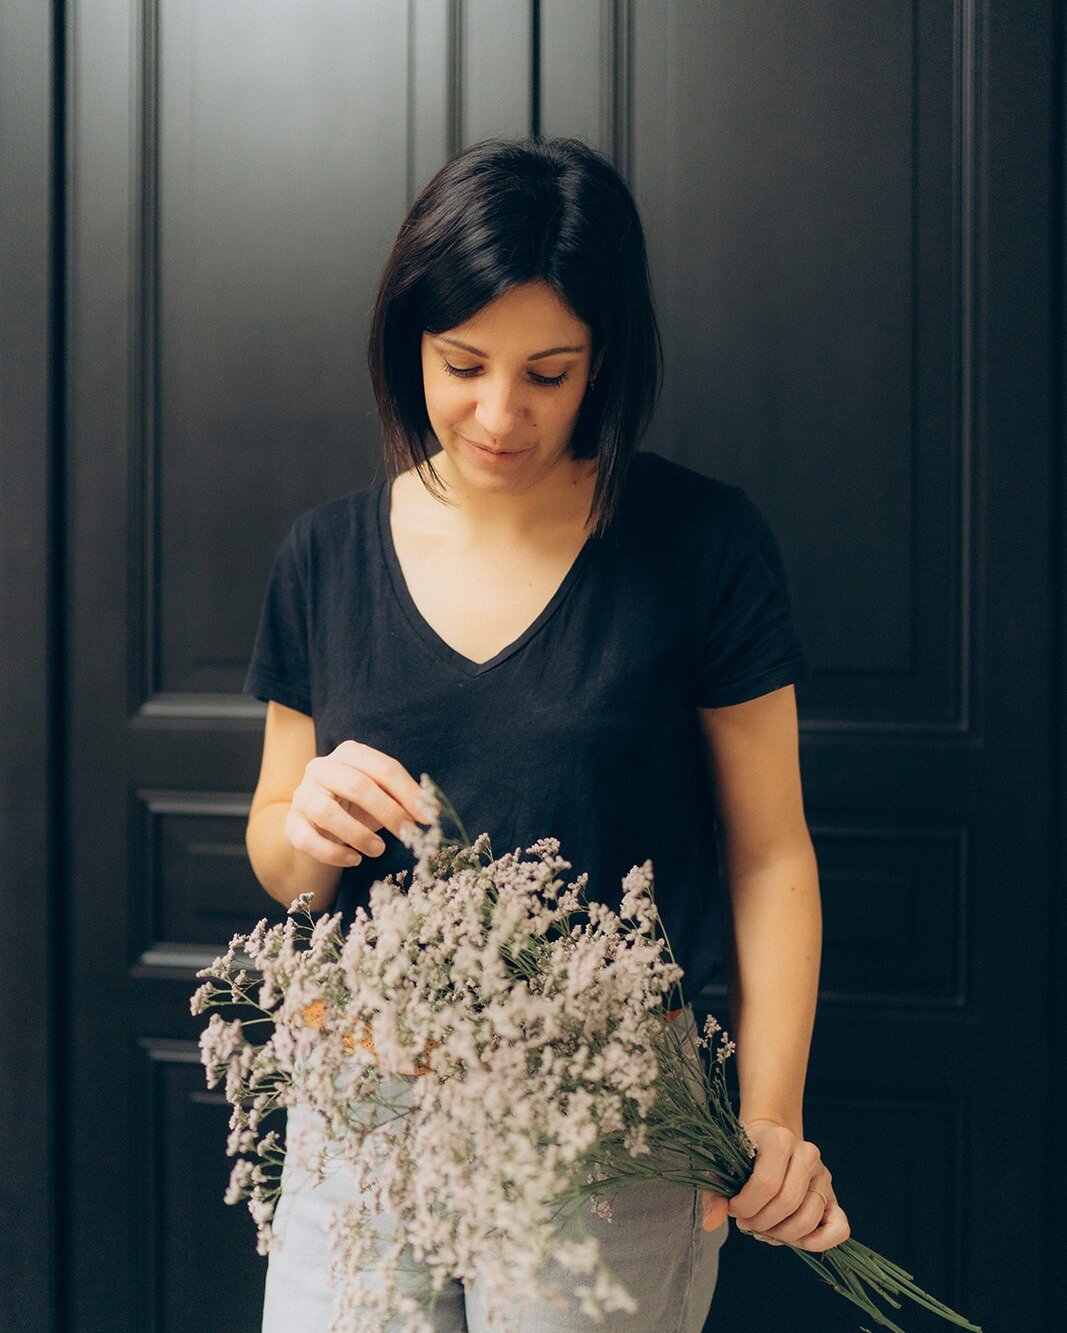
[368, 1045]
[313, 1014]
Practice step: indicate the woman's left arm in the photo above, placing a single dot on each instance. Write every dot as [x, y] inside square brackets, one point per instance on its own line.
[773, 967]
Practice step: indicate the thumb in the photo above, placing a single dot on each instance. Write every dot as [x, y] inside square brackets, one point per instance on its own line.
[715, 1209]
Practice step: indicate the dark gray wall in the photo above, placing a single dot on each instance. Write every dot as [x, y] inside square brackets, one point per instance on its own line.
[854, 215]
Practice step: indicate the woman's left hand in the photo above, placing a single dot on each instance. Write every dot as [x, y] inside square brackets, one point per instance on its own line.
[782, 1201]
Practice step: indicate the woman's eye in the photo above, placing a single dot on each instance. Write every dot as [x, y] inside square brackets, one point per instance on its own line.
[466, 372]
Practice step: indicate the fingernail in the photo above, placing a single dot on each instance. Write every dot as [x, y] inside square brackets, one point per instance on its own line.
[377, 846]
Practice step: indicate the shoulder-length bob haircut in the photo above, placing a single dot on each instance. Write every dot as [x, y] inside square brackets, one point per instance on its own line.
[501, 213]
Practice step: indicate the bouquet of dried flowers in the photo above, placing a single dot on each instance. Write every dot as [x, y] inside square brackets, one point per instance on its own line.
[488, 1052]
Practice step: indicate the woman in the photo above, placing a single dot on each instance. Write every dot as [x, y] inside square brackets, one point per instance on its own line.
[573, 639]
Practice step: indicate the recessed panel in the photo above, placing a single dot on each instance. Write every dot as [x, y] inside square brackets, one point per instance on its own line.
[192, 876]
[892, 913]
[282, 165]
[806, 245]
[497, 43]
[209, 1274]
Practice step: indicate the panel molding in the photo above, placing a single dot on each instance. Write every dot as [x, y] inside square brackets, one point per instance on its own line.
[143, 645]
[153, 951]
[437, 40]
[434, 73]
[925, 677]
[199, 708]
[947, 844]
[179, 1207]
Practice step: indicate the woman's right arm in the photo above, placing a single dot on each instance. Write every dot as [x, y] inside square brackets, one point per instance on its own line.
[313, 815]
[283, 870]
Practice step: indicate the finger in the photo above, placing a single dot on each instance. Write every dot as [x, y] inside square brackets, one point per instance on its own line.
[794, 1210]
[832, 1230]
[774, 1148]
[391, 776]
[329, 814]
[358, 799]
[756, 1235]
[714, 1209]
[359, 804]
[807, 1220]
[798, 1225]
[306, 838]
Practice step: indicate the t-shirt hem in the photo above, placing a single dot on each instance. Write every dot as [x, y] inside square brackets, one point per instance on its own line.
[786, 673]
[263, 686]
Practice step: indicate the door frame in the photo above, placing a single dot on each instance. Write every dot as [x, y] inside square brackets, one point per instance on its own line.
[32, 654]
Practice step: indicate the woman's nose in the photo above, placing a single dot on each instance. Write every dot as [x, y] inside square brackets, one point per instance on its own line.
[499, 408]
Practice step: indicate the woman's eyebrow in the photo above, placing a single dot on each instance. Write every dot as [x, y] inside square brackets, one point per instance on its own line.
[537, 356]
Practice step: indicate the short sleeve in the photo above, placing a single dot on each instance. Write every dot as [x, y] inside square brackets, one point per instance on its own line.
[279, 668]
[750, 644]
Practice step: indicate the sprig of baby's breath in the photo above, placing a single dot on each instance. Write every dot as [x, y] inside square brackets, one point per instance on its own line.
[486, 1050]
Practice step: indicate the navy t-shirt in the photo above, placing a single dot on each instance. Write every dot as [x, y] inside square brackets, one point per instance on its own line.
[585, 728]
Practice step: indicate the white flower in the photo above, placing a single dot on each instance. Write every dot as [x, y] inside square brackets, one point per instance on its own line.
[465, 1051]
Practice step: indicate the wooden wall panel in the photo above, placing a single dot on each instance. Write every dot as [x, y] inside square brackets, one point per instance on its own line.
[850, 240]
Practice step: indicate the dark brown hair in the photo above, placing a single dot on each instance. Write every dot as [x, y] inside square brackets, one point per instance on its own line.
[505, 212]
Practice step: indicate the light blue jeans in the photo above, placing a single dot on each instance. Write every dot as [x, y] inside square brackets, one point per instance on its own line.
[655, 1243]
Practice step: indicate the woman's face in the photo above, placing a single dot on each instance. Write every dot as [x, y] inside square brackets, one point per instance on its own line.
[500, 390]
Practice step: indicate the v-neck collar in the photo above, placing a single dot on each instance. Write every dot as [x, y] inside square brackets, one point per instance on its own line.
[425, 630]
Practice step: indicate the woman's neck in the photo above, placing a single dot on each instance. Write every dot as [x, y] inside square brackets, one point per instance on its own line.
[559, 500]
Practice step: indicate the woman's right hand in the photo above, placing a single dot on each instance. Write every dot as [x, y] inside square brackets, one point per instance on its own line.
[345, 797]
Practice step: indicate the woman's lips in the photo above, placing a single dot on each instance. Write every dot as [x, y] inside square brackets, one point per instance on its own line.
[497, 455]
